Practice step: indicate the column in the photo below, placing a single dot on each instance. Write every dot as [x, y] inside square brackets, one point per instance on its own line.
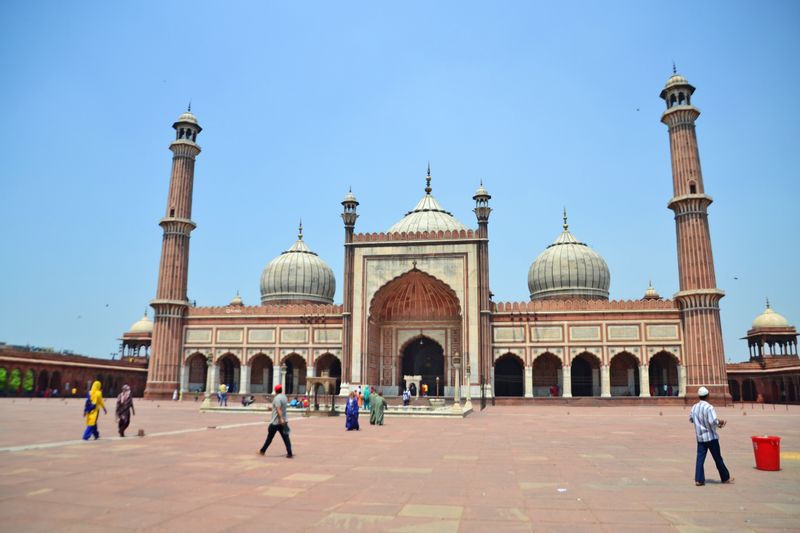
[212, 382]
[184, 379]
[644, 381]
[244, 379]
[283, 376]
[276, 378]
[681, 381]
[529, 382]
[605, 382]
[567, 373]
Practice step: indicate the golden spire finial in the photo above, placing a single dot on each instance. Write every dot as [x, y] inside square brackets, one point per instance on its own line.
[566, 226]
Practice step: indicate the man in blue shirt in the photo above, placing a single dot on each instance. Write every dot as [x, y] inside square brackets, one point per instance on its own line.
[705, 421]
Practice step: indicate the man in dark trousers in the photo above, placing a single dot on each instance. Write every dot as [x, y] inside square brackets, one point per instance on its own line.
[279, 422]
[705, 421]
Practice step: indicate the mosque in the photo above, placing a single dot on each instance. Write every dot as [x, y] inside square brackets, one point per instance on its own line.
[417, 301]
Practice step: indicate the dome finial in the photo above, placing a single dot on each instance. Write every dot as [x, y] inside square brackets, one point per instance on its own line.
[674, 70]
[300, 231]
[566, 226]
[428, 180]
[767, 302]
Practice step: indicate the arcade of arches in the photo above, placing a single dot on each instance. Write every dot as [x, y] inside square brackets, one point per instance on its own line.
[45, 374]
[587, 376]
[773, 388]
[258, 376]
[412, 302]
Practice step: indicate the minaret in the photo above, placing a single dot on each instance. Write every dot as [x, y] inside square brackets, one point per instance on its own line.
[349, 217]
[703, 352]
[482, 212]
[171, 301]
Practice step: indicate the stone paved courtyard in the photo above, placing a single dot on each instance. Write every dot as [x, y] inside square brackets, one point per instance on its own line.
[538, 468]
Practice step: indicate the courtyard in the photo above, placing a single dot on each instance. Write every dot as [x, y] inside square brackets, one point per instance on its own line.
[529, 468]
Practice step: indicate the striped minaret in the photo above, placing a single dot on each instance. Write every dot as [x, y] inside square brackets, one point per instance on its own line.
[703, 353]
[171, 301]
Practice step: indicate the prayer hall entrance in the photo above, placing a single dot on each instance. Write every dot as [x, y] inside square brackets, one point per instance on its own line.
[415, 328]
[425, 357]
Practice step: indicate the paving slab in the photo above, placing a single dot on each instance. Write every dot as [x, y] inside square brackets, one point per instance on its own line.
[509, 468]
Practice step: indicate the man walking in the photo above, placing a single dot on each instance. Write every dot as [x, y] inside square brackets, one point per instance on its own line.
[279, 422]
[705, 421]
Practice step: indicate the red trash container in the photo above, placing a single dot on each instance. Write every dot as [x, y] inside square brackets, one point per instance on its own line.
[767, 450]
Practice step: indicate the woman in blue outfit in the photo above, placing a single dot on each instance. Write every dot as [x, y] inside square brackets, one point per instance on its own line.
[351, 412]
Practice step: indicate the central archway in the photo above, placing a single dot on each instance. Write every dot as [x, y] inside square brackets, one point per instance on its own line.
[415, 327]
[425, 357]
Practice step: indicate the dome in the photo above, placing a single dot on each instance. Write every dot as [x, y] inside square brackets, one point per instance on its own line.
[188, 117]
[676, 79]
[298, 274]
[770, 319]
[237, 301]
[144, 325]
[350, 198]
[651, 293]
[428, 215]
[568, 269]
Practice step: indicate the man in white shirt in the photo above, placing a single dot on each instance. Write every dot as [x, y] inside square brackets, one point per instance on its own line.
[705, 421]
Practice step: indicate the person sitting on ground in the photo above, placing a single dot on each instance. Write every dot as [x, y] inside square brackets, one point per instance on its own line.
[248, 399]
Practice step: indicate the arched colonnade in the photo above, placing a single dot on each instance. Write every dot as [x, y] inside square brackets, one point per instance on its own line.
[202, 373]
[587, 375]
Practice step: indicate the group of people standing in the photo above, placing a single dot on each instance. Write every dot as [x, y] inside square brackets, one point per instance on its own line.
[94, 402]
[372, 400]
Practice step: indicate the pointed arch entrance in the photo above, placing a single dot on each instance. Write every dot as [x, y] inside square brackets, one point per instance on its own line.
[414, 328]
[508, 376]
[663, 374]
[624, 375]
[585, 375]
[330, 364]
[295, 374]
[424, 357]
[229, 368]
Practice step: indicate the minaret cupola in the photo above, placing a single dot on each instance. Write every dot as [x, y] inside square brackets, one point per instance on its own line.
[677, 91]
[482, 209]
[187, 127]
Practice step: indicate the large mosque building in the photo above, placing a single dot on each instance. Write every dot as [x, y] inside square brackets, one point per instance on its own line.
[417, 301]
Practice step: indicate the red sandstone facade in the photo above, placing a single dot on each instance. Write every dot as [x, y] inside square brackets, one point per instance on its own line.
[416, 299]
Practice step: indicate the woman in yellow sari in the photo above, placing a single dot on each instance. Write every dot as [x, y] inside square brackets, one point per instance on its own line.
[94, 401]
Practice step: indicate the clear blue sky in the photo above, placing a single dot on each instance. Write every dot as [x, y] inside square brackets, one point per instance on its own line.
[552, 104]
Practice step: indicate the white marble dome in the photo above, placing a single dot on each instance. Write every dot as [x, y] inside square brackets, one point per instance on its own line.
[770, 319]
[143, 325]
[428, 215]
[297, 275]
[568, 269]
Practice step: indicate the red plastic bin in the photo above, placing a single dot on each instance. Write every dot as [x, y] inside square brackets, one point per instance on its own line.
[767, 450]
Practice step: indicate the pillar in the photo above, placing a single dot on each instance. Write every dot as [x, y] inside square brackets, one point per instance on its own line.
[567, 388]
[283, 377]
[244, 379]
[644, 381]
[212, 381]
[681, 381]
[529, 382]
[605, 381]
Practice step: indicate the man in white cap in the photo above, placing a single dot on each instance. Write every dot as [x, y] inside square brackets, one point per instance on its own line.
[705, 421]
